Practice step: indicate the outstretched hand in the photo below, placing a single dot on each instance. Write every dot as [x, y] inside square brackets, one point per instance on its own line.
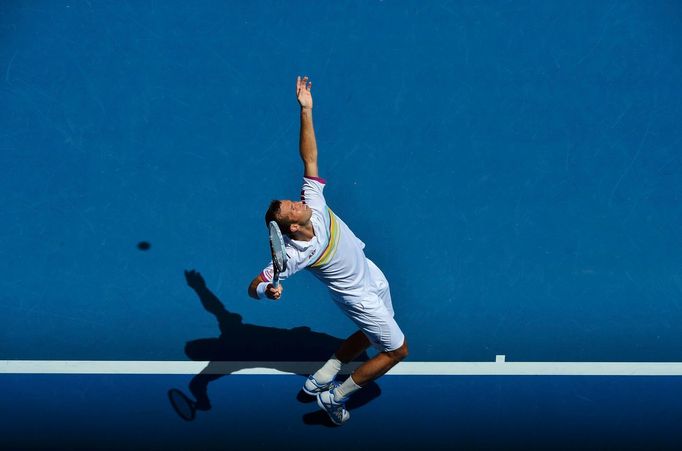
[303, 87]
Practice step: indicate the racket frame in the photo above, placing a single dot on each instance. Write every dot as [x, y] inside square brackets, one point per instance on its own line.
[173, 395]
[275, 236]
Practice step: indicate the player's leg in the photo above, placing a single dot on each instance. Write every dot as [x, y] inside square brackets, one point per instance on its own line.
[378, 325]
[387, 337]
[323, 378]
[333, 401]
[392, 344]
[384, 330]
[358, 342]
[377, 366]
[352, 347]
[380, 286]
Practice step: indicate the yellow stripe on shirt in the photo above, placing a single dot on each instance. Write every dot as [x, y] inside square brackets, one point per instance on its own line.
[330, 250]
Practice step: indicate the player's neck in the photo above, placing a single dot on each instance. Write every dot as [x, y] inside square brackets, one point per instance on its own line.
[305, 233]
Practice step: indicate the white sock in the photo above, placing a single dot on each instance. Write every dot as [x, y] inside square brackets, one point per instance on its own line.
[329, 371]
[346, 389]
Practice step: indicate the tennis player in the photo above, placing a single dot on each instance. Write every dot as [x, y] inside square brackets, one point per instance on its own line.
[316, 239]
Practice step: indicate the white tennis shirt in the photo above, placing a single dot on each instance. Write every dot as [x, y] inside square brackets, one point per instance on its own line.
[334, 255]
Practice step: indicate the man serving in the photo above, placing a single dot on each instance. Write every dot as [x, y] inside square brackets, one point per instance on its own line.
[319, 241]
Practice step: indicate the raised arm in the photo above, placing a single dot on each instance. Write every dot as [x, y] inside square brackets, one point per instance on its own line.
[307, 145]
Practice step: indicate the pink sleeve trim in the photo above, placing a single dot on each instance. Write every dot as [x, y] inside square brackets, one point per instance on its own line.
[264, 277]
[317, 179]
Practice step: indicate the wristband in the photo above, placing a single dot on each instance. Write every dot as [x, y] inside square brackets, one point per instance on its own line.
[260, 289]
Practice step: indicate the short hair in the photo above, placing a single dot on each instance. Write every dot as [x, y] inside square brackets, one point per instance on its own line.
[272, 215]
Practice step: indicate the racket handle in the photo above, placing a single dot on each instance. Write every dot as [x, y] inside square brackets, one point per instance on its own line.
[275, 282]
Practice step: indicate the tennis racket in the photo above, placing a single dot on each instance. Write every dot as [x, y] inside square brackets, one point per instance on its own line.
[182, 405]
[279, 255]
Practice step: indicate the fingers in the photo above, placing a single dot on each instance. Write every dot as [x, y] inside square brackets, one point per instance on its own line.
[303, 83]
[274, 293]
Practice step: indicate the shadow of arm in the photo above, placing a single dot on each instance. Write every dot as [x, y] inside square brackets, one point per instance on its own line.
[209, 300]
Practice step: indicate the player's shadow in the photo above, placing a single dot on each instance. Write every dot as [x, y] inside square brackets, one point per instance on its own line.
[242, 346]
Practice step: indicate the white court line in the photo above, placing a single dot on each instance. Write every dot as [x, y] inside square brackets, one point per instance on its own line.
[498, 368]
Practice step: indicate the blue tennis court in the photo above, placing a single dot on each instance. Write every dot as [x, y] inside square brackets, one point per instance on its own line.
[514, 169]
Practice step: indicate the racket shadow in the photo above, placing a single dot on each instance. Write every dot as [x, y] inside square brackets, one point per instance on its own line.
[240, 344]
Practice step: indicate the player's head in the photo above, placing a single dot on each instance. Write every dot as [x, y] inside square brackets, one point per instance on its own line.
[289, 215]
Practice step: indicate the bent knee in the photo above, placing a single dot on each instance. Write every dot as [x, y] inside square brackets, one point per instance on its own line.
[405, 351]
[401, 353]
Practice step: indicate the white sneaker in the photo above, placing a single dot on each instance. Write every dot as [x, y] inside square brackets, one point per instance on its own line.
[313, 388]
[335, 409]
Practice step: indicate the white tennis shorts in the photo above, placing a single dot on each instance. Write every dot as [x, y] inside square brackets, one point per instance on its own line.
[374, 314]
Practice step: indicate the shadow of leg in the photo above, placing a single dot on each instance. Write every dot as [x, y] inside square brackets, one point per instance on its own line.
[367, 394]
[198, 386]
[304, 398]
[318, 418]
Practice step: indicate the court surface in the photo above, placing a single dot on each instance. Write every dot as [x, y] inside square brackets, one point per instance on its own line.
[514, 168]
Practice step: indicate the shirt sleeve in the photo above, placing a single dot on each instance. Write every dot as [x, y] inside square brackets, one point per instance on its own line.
[312, 193]
[294, 265]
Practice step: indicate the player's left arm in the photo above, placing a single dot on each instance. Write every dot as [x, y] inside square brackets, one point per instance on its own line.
[271, 292]
[297, 262]
[307, 145]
